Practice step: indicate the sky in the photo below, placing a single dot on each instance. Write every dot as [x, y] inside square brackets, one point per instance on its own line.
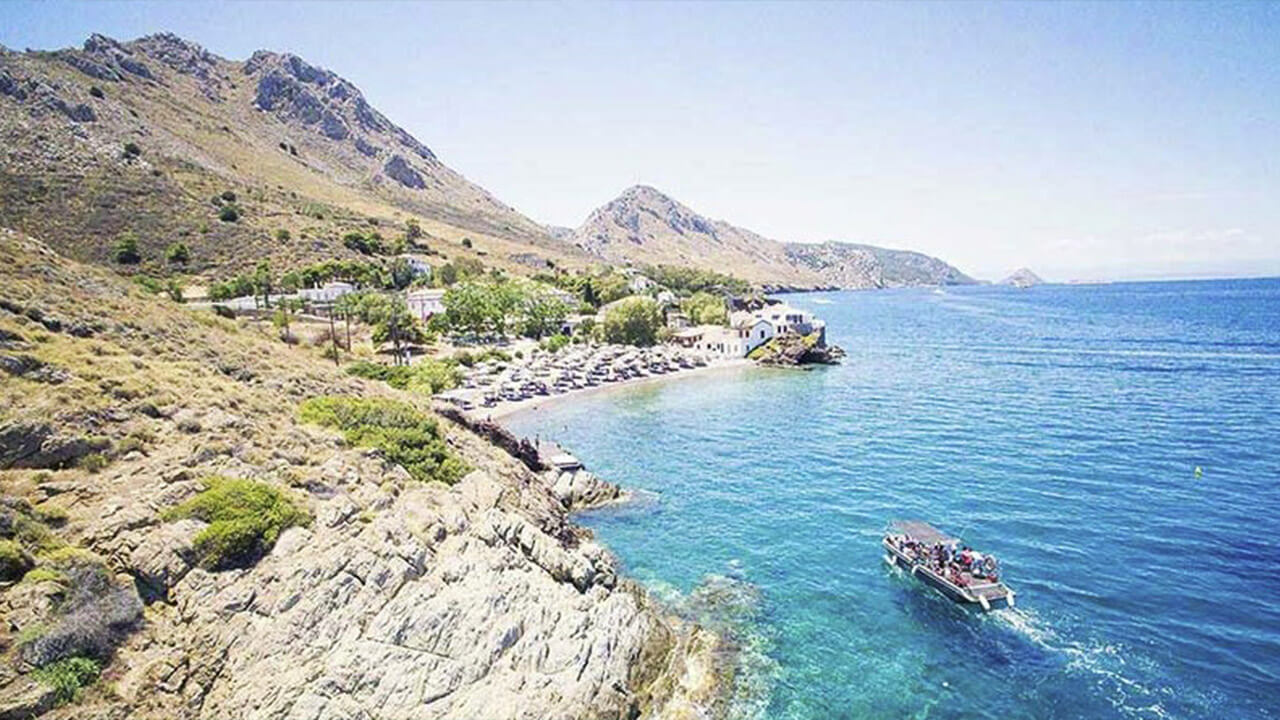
[1085, 141]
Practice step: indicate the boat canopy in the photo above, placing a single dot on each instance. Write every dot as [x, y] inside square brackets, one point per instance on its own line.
[921, 532]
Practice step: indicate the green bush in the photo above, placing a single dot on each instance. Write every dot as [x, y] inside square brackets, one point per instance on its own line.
[229, 213]
[404, 434]
[125, 251]
[555, 343]
[68, 677]
[229, 195]
[14, 561]
[177, 253]
[94, 462]
[245, 517]
[43, 574]
[282, 235]
[96, 92]
[131, 150]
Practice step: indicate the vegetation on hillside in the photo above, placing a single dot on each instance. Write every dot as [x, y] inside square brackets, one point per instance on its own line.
[245, 518]
[405, 435]
[704, 308]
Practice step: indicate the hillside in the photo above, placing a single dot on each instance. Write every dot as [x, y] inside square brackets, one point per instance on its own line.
[141, 136]
[645, 227]
[395, 595]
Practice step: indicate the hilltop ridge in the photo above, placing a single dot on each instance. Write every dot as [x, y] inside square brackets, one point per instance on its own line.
[643, 225]
[138, 136]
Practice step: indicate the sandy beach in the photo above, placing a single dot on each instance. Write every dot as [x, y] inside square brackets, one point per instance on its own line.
[505, 410]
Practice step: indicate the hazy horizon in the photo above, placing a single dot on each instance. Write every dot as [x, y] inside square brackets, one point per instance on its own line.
[1084, 141]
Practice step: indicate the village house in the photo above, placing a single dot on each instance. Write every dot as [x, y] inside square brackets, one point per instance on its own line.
[416, 264]
[425, 303]
[327, 293]
[786, 319]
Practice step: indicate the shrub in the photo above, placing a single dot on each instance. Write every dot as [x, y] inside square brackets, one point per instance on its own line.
[131, 150]
[125, 251]
[68, 677]
[229, 213]
[432, 376]
[228, 195]
[39, 575]
[555, 343]
[282, 235]
[14, 561]
[96, 92]
[94, 462]
[466, 242]
[51, 514]
[95, 613]
[404, 434]
[177, 253]
[245, 517]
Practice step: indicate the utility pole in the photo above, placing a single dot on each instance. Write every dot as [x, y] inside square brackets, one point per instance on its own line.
[333, 338]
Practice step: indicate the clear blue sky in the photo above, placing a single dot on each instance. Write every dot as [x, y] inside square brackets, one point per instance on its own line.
[1083, 140]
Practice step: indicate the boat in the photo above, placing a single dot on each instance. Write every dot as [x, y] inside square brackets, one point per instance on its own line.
[942, 563]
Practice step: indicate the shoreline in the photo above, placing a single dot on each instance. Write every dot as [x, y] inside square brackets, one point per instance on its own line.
[508, 409]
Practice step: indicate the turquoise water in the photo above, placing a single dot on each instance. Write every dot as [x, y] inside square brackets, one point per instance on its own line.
[1057, 427]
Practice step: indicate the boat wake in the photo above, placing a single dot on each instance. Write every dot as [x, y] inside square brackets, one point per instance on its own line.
[1106, 666]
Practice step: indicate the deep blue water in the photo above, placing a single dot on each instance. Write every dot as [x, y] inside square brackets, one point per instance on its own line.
[1057, 427]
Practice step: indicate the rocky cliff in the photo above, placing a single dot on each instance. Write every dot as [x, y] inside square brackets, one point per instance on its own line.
[645, 226]
[399, 598]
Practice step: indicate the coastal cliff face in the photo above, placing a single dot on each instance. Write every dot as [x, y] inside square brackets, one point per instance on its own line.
[400, 598]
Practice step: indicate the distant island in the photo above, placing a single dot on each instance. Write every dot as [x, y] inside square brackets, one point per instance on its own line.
[1023, 278]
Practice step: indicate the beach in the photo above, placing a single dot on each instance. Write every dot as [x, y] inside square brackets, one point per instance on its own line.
[507, 410]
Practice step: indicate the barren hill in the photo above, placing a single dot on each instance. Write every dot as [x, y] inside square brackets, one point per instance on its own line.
[645, 226]
[139, 136]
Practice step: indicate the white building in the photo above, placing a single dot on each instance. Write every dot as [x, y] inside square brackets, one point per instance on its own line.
[732, 342]
[327, 293]
[639, 283]
[416, 264]
[425, 303]
[786, 319]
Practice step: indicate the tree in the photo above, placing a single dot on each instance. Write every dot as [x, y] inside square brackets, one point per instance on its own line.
[125, 251]
[177, 253]
[632, 321]
[466, 242]
[262, 282]
[401, 273]
[286, 309]
[174, 290]
[445, 275]
[466, 309]
[703, 308]
[543, 313]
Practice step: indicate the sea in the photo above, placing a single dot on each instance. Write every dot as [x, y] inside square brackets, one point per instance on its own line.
[1116, 446]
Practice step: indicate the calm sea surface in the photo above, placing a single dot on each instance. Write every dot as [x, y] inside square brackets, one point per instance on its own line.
[1057, 427]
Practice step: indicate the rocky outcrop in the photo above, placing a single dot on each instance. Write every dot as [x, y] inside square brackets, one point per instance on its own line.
[580, 489]
[399, 169]
[792, 350]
